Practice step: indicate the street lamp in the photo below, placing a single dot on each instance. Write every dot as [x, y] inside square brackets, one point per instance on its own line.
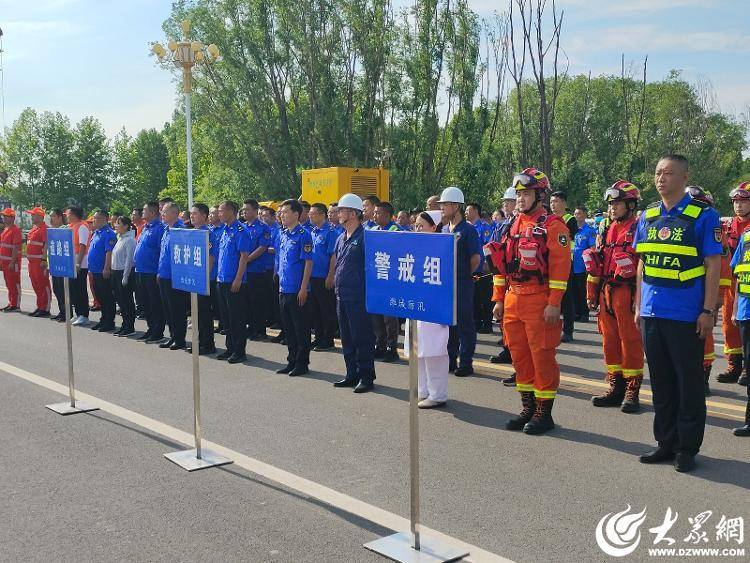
[187, 54]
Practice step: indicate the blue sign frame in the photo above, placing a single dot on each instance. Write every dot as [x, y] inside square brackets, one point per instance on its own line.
[189, 255]
[60, 253]
[411, 275]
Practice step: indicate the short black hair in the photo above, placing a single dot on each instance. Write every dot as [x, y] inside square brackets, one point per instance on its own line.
[678, 158]
[231, 205]
[385, 205]
[137, 211]
[476, 206]
[304, 204]
[293, 204]
[125, 220]
[153, 206]
[372, 199]
[202, 208]
[334, 204]
[76, 210]
[582, 208]
[253, 203]
[57, 211]
[102, 212]
[166, 200]
[320, 207]
[559, 194]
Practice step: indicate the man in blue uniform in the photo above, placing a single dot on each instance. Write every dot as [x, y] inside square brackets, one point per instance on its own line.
[323, 299]
[295, 267]
[679, 243]
[558, 202]
[333, 217]
[482, 278]
[386, 328]
[463, 337]
[103, 242]
[258, 290]
[234, 251]
[368, 211]
[304, 219]
[215, 226]
[268, 215]
[584, 239]
[174, 302]
[146, 266]
[198, 218]
[357, 338]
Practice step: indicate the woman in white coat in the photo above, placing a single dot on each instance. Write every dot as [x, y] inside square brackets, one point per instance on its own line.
[432, 340]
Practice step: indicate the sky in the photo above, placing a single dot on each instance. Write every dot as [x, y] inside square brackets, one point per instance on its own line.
[91, 57]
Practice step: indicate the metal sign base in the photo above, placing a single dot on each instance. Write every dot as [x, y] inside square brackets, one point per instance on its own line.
[400, 547]
[65, 408]
[187, 459]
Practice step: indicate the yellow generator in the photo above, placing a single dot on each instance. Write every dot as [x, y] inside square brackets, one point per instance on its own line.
[326, 185]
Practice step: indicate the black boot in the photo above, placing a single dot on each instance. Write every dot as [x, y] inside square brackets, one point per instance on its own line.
[744, 431]
[743, 378]
[631, 403]
[614, 395]
[542, 421]
[529, 405]
[733, 371]
[502, 358]
[706, 378]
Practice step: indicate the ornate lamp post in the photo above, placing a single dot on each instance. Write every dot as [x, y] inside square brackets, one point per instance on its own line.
[186, 54]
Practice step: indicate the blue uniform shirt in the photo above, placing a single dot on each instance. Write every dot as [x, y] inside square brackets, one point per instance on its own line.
[269, 258]
[260, 235]
[165, 254]
[743, 301]
[583, 239]
[147, 250]
[678, 303]
[484, 234]
[102, 241]
[468, 244]
[324, 244]
[234, 240]
[295, 247]
[214, 233]
[338, 228]
[349, 274]
[370, 224]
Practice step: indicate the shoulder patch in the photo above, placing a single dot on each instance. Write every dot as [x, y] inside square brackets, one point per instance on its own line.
[562, 238]
[717, 234]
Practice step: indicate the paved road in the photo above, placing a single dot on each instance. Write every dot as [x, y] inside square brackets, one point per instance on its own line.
[99, 481]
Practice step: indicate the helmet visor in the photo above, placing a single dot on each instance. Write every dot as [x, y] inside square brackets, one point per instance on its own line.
[613, 193]
[522, 180]
[739, 193]
[695, 191]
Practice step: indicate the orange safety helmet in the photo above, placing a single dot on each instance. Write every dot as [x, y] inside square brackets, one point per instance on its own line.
[696, 192]
[740, 192]
[622, 191]
[531, 179]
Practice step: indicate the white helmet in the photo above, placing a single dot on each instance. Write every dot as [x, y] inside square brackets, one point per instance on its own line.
[350, 201]
[452, 194]
[510, 193]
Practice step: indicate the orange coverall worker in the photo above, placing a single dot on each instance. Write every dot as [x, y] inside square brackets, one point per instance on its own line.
[36, 253]
[531, 340]
[614, 293]
[11, 239]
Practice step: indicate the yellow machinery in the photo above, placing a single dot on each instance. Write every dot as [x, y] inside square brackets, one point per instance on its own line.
[326, 185]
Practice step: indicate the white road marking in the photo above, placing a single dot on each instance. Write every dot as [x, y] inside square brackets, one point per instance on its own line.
[300, 484]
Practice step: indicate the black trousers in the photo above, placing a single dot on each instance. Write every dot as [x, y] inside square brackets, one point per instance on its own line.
[274, 314]
[483, 302]
[258, 301]
[124, 297]
[386, 331]
[152, 306]
[579, 295]
[206, 320]
[176, 305]
[58, 288]
[568, 307]
[106, 296]
[675, 364]
[140, 299]
[296, 323]
[323, 311]
[215, 308]
[357, 340]
[233, 315]
[79, 293]
[745, 335]
[462, 337]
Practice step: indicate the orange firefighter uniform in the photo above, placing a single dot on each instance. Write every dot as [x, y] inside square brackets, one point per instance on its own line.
[612, 289]
[533, 264]
[36, 254]
[11, 240]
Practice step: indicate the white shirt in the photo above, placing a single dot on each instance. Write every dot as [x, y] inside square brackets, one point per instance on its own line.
[83, 238]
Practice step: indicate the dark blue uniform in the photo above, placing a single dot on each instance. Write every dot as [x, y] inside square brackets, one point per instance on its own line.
[323, 302]
[357, 338]
[483, 282]
[206, 302]
[462, 340]
[214, 239]
[103, 240]
[234, 241]
[174, 301]
[146, 265]
[258, 287]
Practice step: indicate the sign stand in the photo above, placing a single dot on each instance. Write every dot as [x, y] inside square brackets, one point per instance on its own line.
[198, 457]
[412, 546]
[72, 407]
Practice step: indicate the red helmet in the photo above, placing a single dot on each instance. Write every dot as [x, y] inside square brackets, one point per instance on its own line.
[740, 192]
[622, 191]
[530, 179]
[696, 192]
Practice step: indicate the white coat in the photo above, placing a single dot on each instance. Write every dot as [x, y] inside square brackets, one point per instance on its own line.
[432, 339]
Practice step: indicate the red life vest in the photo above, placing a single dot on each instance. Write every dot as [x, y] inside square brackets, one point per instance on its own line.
[526, 254]
[619, 260]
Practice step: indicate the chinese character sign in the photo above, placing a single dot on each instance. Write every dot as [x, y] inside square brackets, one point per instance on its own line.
[61, 254]
[411, 275]
[189, 251]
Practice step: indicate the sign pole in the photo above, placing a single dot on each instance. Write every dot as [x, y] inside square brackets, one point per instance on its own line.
[193, 274]
[70, 408]
[414, 430]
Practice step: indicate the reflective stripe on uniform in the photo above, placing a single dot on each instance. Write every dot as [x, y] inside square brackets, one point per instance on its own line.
[674, 274]
[667, 248]
[613, 368]
[628, 373]
[524, 387]
[498, 280]
[743, 288]
[9, 245]
[652, 212]
[35, 242]
[742, 268]
[709, 356]
[592, 279]
[34, 255]
[692, 211]
[555, 284]
[732, 351]
[544, 394]
[724, 282]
